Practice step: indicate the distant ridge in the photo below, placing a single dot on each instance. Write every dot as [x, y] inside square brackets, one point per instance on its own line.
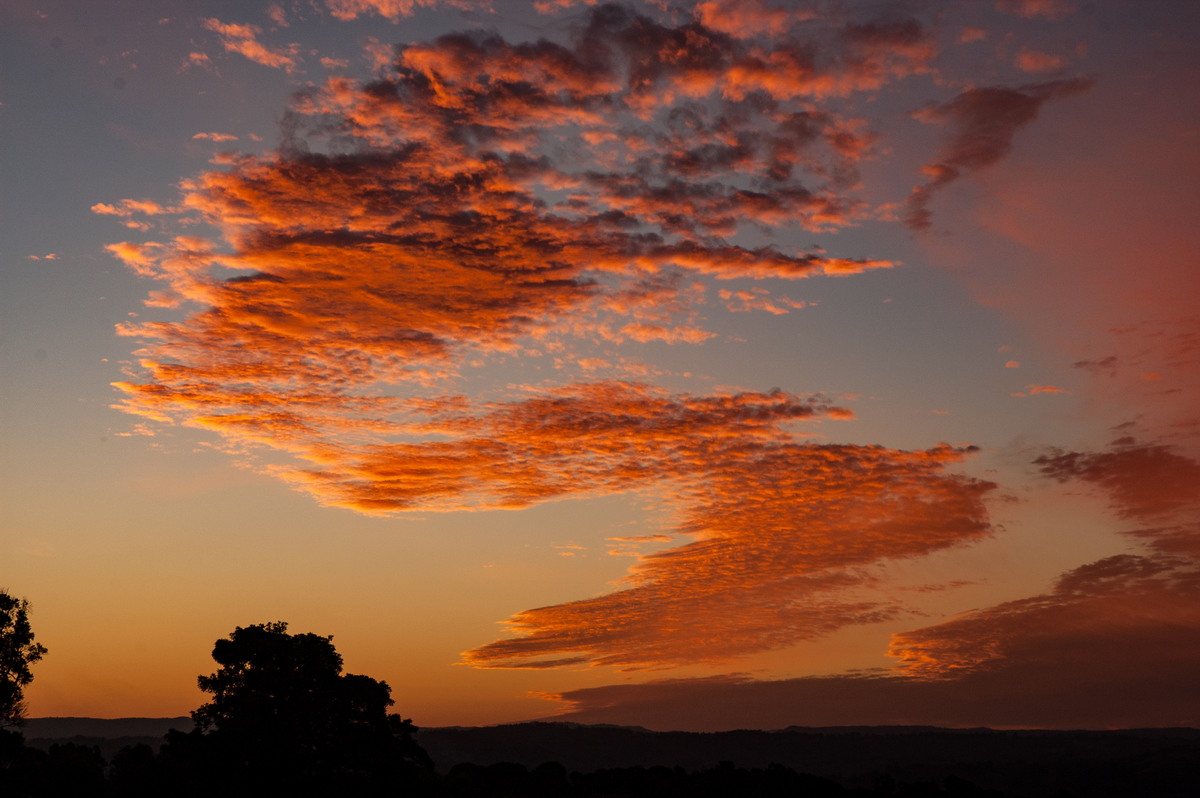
[1024, 762]
[103, 727]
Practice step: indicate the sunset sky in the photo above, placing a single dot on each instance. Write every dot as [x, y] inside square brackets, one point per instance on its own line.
[726, 364]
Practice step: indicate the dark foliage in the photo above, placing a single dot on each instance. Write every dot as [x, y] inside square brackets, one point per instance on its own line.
[18, 651]
[285, 720]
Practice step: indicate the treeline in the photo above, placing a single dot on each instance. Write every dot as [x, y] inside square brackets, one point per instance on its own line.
[79, 767]
[74, 769]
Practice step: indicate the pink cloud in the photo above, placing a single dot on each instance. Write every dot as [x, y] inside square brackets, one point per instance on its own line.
[1028, 60]
[1048, 9]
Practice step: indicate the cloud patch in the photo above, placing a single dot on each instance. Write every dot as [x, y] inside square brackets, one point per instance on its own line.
[484, 201]
[982, 123]
[782, 537]
[243, 40]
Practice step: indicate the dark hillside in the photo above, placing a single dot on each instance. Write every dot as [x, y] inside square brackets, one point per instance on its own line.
[1161, 762]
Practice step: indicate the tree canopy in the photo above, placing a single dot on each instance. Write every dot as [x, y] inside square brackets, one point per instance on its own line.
[18, 651]
[284, 718]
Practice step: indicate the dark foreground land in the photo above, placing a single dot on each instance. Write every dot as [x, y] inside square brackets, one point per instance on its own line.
[555, 759]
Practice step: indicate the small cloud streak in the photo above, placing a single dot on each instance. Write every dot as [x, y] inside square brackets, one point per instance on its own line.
[389, 9]
[1032, 9]
[243, 39]
[1034, 61]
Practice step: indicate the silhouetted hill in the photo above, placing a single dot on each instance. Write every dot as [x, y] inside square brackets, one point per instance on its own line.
[108, 734]
[1160, 762]
[103, 727]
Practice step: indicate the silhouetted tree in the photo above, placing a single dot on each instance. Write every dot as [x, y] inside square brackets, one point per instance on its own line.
[284, 719]
[17, 652]
[136, 771]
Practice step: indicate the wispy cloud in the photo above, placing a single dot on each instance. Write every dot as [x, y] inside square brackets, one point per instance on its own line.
[243, 39]
[983, 122]
[218, 137]
[393, 9]
[1047, 9]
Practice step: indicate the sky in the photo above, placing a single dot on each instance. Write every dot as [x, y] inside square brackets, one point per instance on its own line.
[726, 364]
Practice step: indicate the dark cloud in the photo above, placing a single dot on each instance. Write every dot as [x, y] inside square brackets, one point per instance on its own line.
[1136, 676]
[1146, 483]
[1106, 365]
[982, 124]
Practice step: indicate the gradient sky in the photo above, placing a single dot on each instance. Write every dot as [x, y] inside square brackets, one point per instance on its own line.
[730, 364]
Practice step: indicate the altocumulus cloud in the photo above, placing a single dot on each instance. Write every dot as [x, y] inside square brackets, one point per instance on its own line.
[1113, 644]
[483, 199]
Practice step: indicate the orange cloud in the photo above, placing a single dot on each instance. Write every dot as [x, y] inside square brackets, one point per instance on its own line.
[334, 296]
[758, 299]
[391, 9]
[129, 207]
[215, 136]
[242, 39]
[657, 332]
[781, 531]
[1076, 656]
[1033, 61]
[642, 539]
[485, 198]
